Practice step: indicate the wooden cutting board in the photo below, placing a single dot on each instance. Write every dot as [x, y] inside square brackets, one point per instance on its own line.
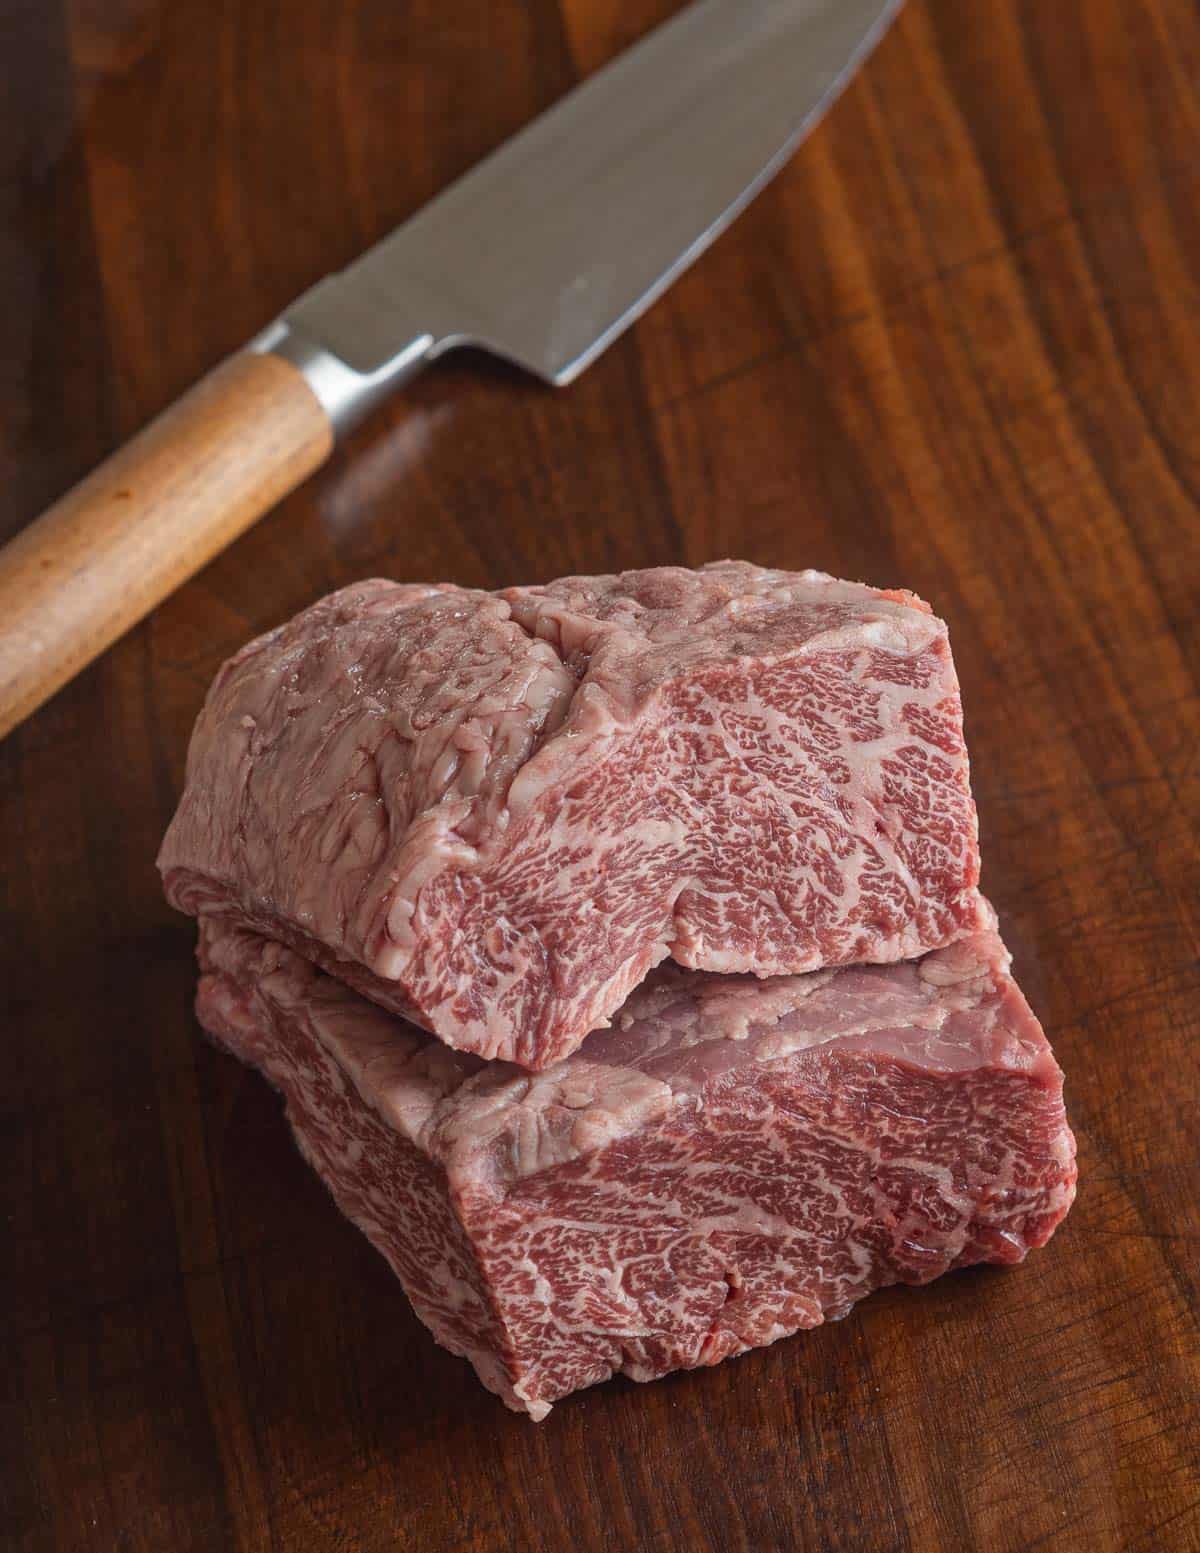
[956, 347]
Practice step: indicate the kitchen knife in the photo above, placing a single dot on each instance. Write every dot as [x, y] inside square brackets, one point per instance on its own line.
[544, 253]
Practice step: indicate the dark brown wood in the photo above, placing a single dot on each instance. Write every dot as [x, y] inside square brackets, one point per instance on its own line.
[955, 347]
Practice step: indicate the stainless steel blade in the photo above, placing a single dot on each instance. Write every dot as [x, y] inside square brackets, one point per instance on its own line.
[547, 250]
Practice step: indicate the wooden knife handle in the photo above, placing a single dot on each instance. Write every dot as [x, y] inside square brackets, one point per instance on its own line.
[148, 519]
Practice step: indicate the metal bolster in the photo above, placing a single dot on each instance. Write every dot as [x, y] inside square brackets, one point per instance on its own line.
[345, 395]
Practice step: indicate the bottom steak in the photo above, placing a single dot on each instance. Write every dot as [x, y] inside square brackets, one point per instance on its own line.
[733, 1160]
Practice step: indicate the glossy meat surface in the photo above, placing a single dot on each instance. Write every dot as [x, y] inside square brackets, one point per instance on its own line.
[733, 1160]
[494, 813]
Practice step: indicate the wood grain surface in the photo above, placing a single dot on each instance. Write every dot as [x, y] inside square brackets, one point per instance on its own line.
[956, 347]
[149, 518]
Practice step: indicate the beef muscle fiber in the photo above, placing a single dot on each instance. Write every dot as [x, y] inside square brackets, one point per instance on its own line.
[732, 1160]
[495, 812]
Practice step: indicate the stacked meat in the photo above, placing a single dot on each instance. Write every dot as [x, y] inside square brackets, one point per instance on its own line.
[618, 949]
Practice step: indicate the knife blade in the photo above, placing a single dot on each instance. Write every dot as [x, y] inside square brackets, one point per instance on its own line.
[544, 254]
[551, 247]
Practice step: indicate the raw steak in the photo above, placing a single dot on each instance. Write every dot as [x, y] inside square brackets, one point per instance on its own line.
[493, 813]
[734, 1159]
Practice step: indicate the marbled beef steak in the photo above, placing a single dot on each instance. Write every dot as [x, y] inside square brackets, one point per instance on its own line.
[732, 1160]
[494, 813]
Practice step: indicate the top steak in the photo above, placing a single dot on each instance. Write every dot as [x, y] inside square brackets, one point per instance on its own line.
[495, 812]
